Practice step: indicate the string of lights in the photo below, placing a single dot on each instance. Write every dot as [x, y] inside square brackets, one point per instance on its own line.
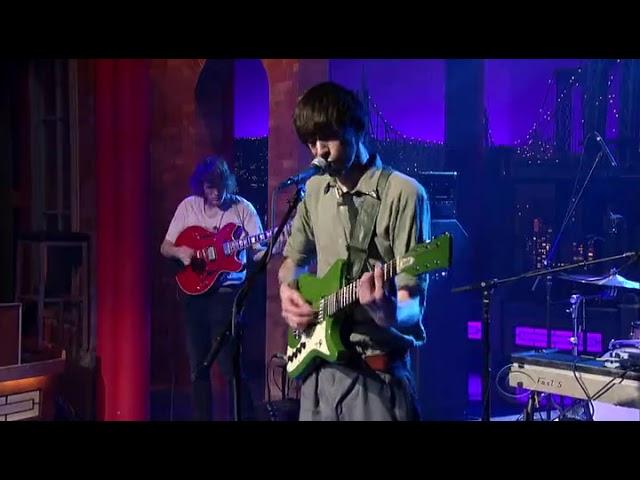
[538, 144]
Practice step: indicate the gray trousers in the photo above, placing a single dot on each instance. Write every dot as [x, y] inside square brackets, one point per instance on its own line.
[335, 392]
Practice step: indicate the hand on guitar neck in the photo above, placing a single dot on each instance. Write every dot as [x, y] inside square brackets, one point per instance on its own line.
[375, 298]
[372, 295]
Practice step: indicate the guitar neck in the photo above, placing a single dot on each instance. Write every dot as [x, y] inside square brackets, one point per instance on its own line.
[348, 294]
[236, 245]
[233, 246]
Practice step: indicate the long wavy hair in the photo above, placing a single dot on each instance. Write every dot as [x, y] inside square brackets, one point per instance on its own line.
[213, 170]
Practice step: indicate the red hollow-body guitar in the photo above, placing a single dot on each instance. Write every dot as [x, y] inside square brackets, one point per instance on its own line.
[215, 253]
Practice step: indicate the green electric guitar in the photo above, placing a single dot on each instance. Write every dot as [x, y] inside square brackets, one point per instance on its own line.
[328, 296]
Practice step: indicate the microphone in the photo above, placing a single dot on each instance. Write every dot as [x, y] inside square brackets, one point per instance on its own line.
[317, 167]
[605, 149]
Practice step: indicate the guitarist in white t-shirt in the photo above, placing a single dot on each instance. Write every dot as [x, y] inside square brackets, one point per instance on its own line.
[213, 205]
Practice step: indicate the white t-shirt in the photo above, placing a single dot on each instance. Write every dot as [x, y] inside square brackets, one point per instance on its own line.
[191, 212]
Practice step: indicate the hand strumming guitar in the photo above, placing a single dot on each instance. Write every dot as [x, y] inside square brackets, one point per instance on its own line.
[184, 254]
[295, 310]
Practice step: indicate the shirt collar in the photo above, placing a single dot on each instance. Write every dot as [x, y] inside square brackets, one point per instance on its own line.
[368, 183]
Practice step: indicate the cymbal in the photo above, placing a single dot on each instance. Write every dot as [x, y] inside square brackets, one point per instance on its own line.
[614, 280]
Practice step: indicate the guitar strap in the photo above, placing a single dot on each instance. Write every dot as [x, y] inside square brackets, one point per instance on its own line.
[364, 227]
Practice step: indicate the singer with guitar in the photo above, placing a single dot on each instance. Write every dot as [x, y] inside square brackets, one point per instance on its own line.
[210, 284]
[366, 214]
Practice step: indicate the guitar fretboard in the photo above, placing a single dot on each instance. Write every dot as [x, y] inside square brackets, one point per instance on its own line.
[235, 245]
[348, 294]
[242, 243]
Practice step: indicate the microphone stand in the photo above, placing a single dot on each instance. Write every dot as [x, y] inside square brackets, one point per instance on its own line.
[231, 332]
[554, 247]
[550, 256]
[487, 287]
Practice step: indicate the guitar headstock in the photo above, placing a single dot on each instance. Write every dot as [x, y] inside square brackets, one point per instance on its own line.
[425, 257]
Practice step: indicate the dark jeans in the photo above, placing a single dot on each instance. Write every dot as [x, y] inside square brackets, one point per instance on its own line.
[207, 316]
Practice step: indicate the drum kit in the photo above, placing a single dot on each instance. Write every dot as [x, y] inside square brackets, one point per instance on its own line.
[623, 354]
[611, 283]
